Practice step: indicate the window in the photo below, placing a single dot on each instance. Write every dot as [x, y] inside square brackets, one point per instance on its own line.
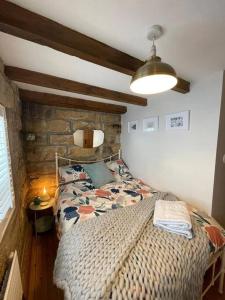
[6, 184]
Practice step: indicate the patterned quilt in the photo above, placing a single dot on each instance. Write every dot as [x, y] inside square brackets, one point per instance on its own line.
[79, 200]
[214, 232]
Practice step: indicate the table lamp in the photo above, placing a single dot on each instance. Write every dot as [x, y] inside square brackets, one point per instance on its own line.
[45, 196]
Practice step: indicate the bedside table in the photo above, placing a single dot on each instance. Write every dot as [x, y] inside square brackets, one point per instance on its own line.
[43, 216]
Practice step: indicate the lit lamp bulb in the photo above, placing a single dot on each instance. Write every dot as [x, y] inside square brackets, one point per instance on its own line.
[45, 196]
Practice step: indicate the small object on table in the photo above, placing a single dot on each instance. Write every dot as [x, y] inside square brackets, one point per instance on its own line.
[43, 203]
[45, 222]
[37, 200]
[45, 196]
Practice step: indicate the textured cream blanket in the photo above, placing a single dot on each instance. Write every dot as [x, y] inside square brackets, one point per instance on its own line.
[121, 255]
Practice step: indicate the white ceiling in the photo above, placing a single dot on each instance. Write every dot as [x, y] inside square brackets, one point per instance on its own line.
[194, 42]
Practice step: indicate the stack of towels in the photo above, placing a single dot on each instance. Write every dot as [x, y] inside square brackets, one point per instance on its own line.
[173, 216]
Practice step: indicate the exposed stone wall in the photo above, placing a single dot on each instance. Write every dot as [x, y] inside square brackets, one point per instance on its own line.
[54, 128]
[15, 232]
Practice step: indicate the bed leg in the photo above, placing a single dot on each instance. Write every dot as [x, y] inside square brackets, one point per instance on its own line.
[222, 272]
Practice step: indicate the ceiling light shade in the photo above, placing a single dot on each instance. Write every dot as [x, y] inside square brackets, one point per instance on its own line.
[153, 77]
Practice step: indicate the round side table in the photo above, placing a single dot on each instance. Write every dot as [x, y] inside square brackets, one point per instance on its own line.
[42, 223]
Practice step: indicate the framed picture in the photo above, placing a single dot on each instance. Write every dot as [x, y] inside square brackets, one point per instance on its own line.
[151, 124]
[178, 121]
[132, 126]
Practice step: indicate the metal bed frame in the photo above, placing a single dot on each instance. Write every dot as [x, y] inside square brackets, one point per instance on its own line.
[220, 274]
[58, 157]
[213, 260]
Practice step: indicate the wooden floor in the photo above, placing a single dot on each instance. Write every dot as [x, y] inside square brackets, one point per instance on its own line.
[43, 255]
[42, 262]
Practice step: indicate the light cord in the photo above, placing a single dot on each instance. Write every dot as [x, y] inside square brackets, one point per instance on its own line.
[153, 49]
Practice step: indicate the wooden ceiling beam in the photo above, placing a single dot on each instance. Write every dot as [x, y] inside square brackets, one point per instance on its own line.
[28, 25]
[49, 81]
[64, 101]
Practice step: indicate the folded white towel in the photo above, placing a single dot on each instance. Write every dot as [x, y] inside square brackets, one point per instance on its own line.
[173, 216]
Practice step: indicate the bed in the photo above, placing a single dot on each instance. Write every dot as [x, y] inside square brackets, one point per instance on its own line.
[78, 201]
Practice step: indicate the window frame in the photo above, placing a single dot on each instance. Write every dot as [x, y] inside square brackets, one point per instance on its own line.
[5, 222]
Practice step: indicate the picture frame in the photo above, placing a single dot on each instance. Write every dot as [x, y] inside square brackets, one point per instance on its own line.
[178, 121]
[132, 126]
[151, 124]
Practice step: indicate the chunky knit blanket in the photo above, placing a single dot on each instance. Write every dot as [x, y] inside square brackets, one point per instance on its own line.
[121, 255]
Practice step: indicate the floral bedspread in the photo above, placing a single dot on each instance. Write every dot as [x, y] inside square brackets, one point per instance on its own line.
[214, 232]
[79, 200]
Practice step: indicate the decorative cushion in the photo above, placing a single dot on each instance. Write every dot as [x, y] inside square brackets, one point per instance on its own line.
[119, 170]
[99, 173]
[71, 173]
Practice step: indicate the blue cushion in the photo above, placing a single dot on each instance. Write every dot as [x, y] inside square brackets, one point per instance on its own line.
[99, 173]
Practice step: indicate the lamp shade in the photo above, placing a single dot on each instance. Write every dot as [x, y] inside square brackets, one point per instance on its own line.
[153, 77]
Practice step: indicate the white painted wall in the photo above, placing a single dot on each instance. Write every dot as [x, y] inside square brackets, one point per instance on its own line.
[181, 162]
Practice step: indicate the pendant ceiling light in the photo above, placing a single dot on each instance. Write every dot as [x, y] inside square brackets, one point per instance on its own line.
[154, 76]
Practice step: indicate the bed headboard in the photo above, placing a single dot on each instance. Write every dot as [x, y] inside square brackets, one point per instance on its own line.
[70, 161]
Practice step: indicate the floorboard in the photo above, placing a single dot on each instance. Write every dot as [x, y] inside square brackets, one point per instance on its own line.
[41, 285]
